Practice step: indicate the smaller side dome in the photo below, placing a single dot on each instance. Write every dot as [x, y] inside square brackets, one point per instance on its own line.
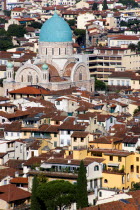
[9, 65]
[45, 66]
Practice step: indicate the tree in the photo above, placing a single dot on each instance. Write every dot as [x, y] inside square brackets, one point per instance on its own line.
[57, 193]
[136, 186]
[105, 7]
[136, 110]
[82, 195]
[2, 20]
[129, 3]
[123, 23]
[95, 6]
[5, 43]
[35, 204]
[2, 32]
[132, 47]
[81, 35]
[7, 13]
[16, 30]
[36, 25]
[99, 85]
[71, 22]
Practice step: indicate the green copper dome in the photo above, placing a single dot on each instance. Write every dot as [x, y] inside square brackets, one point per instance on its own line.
[9, 65]
[44, 66]
[55, 29]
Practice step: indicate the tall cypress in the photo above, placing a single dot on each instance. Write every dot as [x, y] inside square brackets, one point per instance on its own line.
[105, 7]
[82, 195]
[34, 200]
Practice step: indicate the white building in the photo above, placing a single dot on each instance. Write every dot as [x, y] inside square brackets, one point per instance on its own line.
[83, 18]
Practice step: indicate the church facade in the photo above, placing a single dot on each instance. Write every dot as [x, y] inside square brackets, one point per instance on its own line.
[55, 67]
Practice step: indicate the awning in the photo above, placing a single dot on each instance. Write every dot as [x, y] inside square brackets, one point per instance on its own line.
[113, 164]
[44, 165]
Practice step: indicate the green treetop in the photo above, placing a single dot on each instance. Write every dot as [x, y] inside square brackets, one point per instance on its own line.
[105, 7]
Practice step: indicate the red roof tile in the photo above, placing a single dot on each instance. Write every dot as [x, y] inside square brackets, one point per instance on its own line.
[11, 193]
[29, 90]
[21, 180]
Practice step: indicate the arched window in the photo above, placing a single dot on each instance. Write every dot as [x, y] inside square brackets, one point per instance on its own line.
[52, 51]
[80, 76]
[29, 78]
[36, 79]
[100, 194]
[59, 51]
[96, 168]
[105, 181]
[22, 78]
[123, 179]
[128, 177]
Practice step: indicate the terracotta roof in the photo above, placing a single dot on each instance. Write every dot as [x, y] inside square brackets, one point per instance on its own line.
[103, 118]
[70, 124]
[1, 133]
[125, 37]
[43, 102]
[58, 118]
[125, 74]
[13, 127]
[123, 204]
[7, 105]
[18, 9]
[87, 115]
[131, 139]
[11, 193]
[16, 114]
[29, 90]
[35, 145]
[21, 180]
[34, 160]
[24, 19]
[111, 152]
[68, 69]
[102, 140]
[54, 76]
[7, 172]
[16, 164]
[4, 99]
[79, 134]
[30, 29]
[48, 128]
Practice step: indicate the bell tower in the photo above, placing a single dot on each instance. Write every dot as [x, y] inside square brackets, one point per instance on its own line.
[9, 72]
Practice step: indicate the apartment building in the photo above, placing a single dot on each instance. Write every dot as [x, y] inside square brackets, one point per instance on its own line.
[105, 60]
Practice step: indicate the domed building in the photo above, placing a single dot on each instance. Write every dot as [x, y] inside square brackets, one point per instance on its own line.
[55, 67]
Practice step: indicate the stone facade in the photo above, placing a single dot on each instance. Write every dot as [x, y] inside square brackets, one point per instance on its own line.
[55, 68]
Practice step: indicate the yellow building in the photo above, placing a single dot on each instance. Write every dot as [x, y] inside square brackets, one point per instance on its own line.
[120, 168]
[80, 139]
[106, 142]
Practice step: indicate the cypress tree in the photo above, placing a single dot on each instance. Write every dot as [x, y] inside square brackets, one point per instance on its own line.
[34, 200]
[82, 195]
[95, 6]
[105, 7]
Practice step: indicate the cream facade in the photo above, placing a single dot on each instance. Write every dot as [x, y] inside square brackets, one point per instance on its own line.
[83, 18]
